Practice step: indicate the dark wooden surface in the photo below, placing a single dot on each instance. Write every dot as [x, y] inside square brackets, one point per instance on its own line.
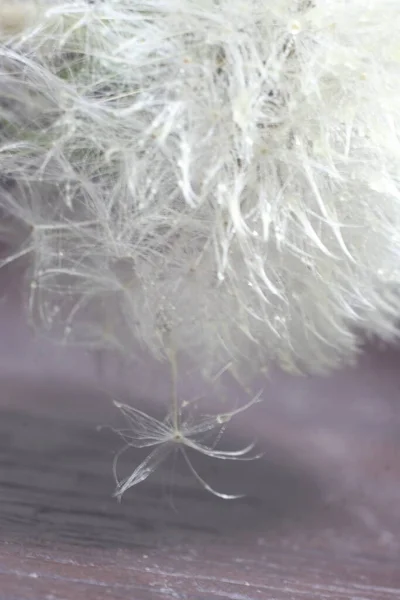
[321, 519]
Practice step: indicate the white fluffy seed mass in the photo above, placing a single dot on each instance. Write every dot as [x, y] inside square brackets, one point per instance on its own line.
[220, 175]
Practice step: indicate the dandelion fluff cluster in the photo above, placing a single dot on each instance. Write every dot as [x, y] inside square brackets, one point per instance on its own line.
[222, 175]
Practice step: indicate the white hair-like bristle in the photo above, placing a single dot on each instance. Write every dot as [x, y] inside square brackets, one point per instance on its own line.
[220, 175]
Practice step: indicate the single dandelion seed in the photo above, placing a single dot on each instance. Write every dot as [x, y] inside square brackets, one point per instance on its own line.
[177, 432]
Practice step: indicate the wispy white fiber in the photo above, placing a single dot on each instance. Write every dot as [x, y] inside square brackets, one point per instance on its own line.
[179, 432]
[220, 173]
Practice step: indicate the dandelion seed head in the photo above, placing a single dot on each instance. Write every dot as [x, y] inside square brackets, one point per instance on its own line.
[222, 172]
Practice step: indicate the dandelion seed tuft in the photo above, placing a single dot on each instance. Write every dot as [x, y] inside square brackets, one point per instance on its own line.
[178, 432]
[227, 172]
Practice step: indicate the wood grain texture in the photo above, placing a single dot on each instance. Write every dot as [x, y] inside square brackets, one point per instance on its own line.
[321, 519]
[298, 534]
